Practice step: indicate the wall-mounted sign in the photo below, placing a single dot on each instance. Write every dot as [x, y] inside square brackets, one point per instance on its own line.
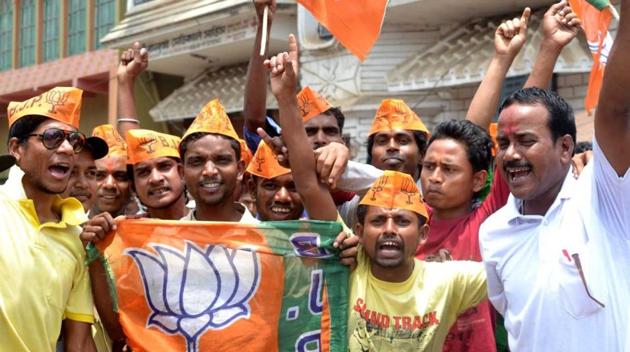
[188, 42]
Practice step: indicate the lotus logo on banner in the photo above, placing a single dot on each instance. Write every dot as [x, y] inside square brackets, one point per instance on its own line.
[198, 288]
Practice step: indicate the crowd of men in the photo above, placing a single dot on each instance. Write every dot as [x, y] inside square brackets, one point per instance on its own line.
[452, 235]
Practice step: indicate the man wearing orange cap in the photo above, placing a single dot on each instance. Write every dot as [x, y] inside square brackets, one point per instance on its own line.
[42, 261]
[272, 187]
[156, 173]
[213, 167]
[113, 192]
[397, 139]
[398, 302]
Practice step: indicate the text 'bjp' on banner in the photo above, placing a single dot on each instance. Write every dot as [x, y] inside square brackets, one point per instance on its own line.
[201, 286]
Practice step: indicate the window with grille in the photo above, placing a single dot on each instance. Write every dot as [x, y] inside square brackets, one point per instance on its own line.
[104, 17]
[6, 34]
[76, 26]
[50, 39]
[27, 33]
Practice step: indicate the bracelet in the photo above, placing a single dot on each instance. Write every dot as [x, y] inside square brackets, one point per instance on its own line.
[128, 120]
[92, 253]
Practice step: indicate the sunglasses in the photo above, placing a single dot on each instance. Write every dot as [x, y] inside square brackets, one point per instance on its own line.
[52, 138]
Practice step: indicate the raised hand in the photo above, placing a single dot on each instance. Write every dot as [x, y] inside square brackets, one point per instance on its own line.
[294, 54]
[511, 35]
[282, 75]
[560, 24]
[132, 62]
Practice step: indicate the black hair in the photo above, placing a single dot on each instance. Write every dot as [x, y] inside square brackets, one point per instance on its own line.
[338, 115]
[581, 147]
[561, 120]
[183, 145]
[419, 137]
[363, 208]
[476, 140]
[25, 126]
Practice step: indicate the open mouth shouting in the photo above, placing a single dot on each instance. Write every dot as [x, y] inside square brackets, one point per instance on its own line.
[60, 171]
[389, 248]
[517, 173]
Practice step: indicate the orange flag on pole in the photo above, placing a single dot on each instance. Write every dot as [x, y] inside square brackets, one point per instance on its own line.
[355, 23]
[595, 24]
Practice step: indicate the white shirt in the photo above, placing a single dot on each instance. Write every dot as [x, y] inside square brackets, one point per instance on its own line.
[533, 280]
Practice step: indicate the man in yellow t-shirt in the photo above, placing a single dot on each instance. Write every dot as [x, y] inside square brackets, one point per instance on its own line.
[45, 283]
[397, 302]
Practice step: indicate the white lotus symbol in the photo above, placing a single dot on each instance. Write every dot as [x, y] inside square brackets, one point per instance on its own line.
[197, 289]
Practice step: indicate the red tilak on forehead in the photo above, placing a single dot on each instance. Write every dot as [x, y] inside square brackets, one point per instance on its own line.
[509, 128]
[110, 163]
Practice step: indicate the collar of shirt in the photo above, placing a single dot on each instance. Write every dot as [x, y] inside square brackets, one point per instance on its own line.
[514, 204]
[72, 213]
[246, 218]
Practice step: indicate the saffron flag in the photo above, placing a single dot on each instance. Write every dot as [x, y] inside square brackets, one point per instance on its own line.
[204, 286]
[355, 23]
[595, 23]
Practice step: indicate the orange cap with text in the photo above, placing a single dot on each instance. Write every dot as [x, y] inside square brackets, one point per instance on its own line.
[395, 190]
[395, 114]
[311, 103]
[60, 103]
[265, 164]
[146, 145]
[116, 144]
[212, 119]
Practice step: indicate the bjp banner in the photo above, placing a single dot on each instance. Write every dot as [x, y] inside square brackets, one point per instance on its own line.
[201, 286]
[595, 17]
[355, 23]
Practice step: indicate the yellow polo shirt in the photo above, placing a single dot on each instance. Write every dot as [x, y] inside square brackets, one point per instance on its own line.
[43, 278]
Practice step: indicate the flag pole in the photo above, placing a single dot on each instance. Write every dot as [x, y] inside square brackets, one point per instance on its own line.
[614, 12]
[263, 38]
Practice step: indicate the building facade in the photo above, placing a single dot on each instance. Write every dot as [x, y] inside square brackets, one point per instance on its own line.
[48, 43]
[431, 53]
[198, 50]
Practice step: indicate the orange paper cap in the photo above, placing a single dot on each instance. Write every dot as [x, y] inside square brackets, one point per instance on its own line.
[265, 164]
[395, 190]
[311, 104]
[395, 114]
[492, 130]
[116, 144]
[212, 119]
[246, 154]
[60, 103]
[146, 145]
